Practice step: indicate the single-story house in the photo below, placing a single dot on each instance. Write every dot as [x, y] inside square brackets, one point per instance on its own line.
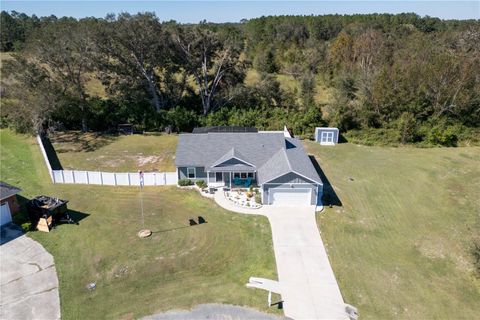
[273, 162]
[8, 202]
[326, 136]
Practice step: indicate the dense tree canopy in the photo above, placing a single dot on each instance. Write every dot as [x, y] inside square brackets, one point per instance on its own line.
[415, 78]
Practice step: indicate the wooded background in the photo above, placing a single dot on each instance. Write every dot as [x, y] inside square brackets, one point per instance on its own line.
[381, 78]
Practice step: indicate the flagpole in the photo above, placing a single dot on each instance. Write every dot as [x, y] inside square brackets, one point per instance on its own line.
[144, 233]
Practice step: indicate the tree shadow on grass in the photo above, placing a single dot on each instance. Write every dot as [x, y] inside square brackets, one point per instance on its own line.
[330, 197]
[84, 142]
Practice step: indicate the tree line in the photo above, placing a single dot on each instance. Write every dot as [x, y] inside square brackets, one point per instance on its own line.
[413, 79]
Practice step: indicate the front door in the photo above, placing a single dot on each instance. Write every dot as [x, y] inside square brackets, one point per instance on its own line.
[218, 176]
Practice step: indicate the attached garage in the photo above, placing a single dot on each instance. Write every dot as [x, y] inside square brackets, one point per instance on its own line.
[5, 216]
[290, 197]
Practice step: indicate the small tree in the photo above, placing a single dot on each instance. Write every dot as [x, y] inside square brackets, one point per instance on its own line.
[407, 125]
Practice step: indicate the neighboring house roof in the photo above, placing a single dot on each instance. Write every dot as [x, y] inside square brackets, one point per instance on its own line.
[270, 153]
[7, 190]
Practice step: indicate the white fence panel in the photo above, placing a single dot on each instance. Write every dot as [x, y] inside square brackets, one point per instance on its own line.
[134, 179]
[68, 176]
[171, 178]
[109, 178]
[57, 176]
[94, 177]
[160, 179]
[122, 179]
[149, 179]
[80, 177]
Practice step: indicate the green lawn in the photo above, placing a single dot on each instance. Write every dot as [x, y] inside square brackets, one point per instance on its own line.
[400, 244]
[115, 153]
[178, 267]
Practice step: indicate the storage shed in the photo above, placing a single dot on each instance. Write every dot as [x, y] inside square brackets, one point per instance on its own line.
[326, 136]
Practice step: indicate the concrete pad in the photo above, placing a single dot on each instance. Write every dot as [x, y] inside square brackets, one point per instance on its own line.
[28, 278]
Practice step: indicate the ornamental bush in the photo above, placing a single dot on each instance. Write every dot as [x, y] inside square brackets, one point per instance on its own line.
[201, 184]
[185, 182]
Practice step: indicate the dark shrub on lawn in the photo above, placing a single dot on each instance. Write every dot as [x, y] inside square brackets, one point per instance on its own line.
[201, 184]
[185, 182]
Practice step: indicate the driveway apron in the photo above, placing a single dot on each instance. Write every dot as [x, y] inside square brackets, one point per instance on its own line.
[28, 279]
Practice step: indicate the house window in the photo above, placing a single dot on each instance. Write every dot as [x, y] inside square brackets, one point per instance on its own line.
[243, 175]
[191, 174]
[250, 174]
[236, 175]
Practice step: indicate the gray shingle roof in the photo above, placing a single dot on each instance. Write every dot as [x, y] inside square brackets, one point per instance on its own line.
[276, 166]
[270, 152]
[7, 190]
[232, 153]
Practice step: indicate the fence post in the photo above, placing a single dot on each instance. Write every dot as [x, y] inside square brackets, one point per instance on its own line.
[101, 178]
[88, 178]
[154, 178]
[63, 177]
[73, 176]
[165, 178]
[129, 183]
[115, 178]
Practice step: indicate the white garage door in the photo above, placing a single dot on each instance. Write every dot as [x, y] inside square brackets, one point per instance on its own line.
[290, 197]
[5, 217]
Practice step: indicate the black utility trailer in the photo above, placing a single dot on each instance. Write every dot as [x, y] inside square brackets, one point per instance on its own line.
[46, 211]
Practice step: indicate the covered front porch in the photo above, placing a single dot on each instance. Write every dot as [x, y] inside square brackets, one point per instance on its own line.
[231, 179]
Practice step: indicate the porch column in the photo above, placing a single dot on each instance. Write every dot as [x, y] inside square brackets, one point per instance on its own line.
[208, 177]
[230, 180]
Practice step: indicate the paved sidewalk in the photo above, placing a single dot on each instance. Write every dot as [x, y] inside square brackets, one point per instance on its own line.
[28, 279]
[307, 282]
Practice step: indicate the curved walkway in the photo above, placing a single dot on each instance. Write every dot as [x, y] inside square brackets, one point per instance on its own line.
[306, 280]
[28, 279]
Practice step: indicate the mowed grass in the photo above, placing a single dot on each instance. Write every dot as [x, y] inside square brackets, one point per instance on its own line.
[401, 243]
[176, 268]
[110, 153]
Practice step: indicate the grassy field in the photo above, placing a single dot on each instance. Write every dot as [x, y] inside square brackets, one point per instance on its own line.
[115, 153]
[400, 244]
[178, 267]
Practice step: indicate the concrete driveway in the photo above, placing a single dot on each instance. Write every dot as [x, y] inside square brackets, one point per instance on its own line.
[308, 285]
[28, 279]
[306, 280]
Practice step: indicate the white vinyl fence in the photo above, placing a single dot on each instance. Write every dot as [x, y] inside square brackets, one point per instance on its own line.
[107, 178]
[114, 178]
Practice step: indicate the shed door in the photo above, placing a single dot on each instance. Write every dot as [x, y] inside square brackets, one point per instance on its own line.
[5, 216]
[327, 137]
[290, 197]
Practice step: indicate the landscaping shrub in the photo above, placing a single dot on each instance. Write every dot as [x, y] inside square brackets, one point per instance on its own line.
[201, 184]
[185, 182]
[258, 198]
[27, 226]
[442, 134]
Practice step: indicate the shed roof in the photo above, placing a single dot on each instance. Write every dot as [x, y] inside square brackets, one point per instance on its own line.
[7, 190]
